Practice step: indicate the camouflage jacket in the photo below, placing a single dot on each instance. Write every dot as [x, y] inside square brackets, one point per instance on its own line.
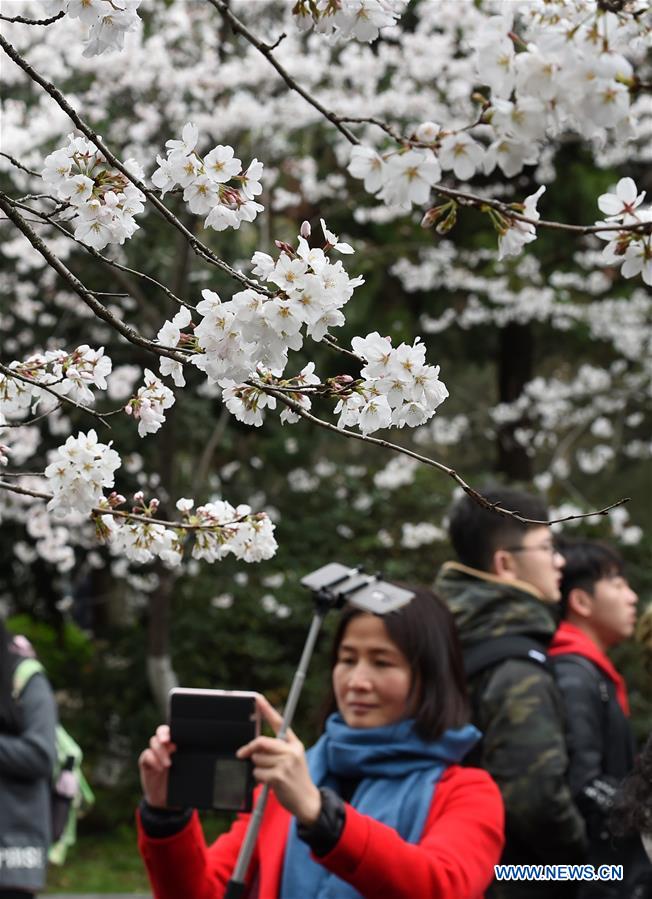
[518, 708]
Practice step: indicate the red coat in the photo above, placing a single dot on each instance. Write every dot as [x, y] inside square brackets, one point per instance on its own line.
[461, 842]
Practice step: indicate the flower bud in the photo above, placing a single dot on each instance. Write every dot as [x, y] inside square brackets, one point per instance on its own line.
[306, 230]
[285, 248]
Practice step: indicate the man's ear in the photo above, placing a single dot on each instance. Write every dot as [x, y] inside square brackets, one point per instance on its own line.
[580, 603]
[502, 564]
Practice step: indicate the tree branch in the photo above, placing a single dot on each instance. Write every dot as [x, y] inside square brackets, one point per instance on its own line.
[470, 491]
[129, 516]
[87, 296]
[47, 218]
[29, 421]
[223, 7]
[506, 209]
[11, 373]
[24, 21]
[199, 248]
[19, 165]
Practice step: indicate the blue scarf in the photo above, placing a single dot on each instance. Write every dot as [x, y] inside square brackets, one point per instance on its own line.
[398, 774]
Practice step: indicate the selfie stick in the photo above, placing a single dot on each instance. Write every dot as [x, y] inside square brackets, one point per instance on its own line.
[332, 585]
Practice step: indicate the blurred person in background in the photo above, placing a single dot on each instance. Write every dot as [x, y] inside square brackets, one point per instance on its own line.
[503, 592]
[27, 756]
[598, 609]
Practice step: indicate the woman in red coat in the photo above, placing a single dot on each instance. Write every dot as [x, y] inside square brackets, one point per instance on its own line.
[378, 808]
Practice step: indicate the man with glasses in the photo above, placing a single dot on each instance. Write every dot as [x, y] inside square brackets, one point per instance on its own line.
[503, 592]
[599, 611]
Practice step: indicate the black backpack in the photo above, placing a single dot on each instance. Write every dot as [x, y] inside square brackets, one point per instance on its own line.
[480, 658]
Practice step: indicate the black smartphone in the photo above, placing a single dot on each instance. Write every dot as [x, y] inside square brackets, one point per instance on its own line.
[208, 726]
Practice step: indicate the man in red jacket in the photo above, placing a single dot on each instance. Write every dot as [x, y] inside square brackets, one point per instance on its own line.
[598, 611]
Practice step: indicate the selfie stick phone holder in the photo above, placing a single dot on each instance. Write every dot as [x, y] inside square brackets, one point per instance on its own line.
[331, 586]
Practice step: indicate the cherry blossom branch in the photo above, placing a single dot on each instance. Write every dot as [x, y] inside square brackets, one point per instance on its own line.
[24, 21]
[198, 247]
[223, 7]
[239, 27]
[19, 165]
[129, 516]
[362, 120]
[334, 345]
[470, 491]
[12, 373]
[468, 199]
[48, 218]
[87, 296]
[29, 421]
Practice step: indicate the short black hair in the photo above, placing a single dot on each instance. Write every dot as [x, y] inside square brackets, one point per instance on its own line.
[476, 533]
[424, 631]
[587, 561]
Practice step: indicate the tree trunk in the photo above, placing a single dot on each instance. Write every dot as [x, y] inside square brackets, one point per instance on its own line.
[515, 368]
[160, 673]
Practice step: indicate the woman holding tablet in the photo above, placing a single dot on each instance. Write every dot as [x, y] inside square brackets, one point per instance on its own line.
[379, 807]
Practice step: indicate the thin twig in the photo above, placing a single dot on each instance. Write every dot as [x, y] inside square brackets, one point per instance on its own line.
[506, 209]
[331, 341]
[47, 217]
[129, 516]
[199, 248]
[29, 421]
[87, 296]
[24, 21]
[223, 7]
[474, 494]
[11, 373]
[363, 120]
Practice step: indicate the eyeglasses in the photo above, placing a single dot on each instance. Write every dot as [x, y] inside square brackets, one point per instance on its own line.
[550, 548]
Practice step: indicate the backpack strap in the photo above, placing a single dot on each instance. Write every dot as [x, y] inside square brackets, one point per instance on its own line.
[595, 673]
[23, 673]
[480, 656]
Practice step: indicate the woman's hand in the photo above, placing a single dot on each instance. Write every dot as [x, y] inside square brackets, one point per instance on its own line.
[282, 764]
[154, 765]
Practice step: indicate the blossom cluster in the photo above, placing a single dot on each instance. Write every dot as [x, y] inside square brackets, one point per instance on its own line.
[253, 331]
[632, 250]
[248, 402]
[78, 472]
[569, 71]
[170, 336]
[69, 375]
[150, 403]
[398, 389]
[205, 181]
[400, 177]
[107, 20]
[102, 200]
[566, 70]
[218, 529]
[414, 536]
[359, 19]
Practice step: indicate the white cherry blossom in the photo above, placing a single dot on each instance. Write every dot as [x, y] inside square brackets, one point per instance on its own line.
[79, 471]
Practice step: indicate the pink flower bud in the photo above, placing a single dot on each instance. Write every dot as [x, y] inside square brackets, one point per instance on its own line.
[285, 248]
[306, 230]
[139, 496]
